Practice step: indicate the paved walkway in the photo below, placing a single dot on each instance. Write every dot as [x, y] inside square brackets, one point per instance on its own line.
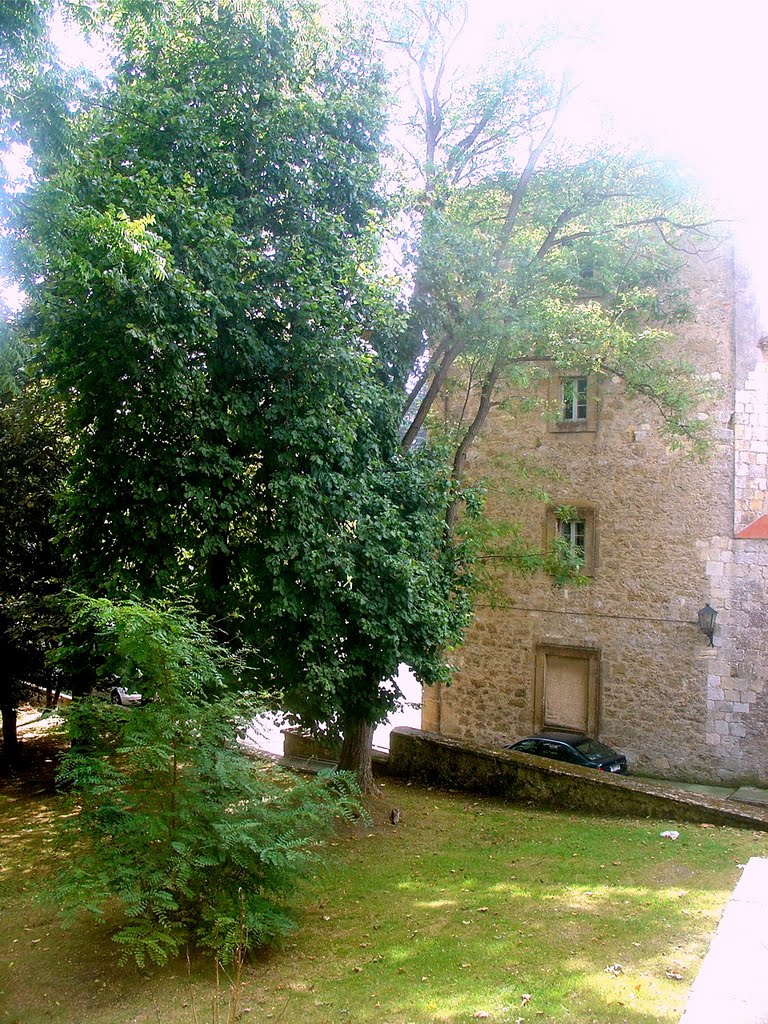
[742, 794]
[732, 985]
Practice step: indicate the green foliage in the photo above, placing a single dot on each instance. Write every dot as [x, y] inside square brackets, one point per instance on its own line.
[34, 453]
[198, 844]
[500, 544]
[563, 564]
[566, 513]
[358, 577]
[529, 256]
[204, 293]
[210, 224]
[578, 280]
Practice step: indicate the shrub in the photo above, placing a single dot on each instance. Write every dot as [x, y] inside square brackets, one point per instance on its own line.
[198, 844]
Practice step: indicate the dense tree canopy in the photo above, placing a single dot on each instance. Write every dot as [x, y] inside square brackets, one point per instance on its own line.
[34, 453]
[201, 264]
[528, 253]
[201, 254]
[206, 215]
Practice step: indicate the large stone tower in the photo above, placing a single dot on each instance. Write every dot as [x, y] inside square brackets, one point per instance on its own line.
[661, 534]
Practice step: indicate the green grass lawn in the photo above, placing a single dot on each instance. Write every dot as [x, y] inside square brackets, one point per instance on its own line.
[468, 909]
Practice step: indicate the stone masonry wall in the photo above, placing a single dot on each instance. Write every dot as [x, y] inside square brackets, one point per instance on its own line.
[664, 528]
[737, 701]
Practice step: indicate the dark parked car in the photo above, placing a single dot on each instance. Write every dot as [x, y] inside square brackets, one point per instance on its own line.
[573, 748]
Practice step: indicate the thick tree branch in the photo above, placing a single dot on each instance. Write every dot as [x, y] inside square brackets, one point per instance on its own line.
[460, 458]
[429, 399]
[414, 392]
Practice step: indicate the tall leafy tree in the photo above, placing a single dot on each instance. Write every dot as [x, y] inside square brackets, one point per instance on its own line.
[34, 453]
[528, 254]
[204, 212]
[202, 293]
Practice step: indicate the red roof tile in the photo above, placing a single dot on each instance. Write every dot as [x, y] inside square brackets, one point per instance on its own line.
[755, 531]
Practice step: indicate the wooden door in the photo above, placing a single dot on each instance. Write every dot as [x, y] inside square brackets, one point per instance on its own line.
[566, 693]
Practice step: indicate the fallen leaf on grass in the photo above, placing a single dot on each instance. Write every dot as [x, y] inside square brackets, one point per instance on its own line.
[481, 1015]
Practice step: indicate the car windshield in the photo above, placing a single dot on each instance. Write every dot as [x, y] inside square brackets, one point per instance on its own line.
[591, 748]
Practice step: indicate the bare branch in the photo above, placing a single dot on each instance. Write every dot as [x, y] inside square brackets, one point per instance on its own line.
[432, 394]
[528, 171]
[413, 394]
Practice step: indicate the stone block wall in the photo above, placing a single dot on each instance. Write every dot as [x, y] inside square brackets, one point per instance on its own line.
[737, 698]
[751, 444]
[665, 546]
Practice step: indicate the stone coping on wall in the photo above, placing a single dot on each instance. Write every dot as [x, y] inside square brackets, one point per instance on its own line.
[458, 764]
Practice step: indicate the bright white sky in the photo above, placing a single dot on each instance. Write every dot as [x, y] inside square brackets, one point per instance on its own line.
[686, 77]
[689, 79]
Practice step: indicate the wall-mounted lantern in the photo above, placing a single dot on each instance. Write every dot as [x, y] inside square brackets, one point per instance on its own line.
[707, 617]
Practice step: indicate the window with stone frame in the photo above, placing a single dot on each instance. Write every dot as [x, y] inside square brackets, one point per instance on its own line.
[574, 533]
[573, 399]
[576, 527]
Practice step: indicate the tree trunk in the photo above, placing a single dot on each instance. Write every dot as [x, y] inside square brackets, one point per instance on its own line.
[355, 755]
[468, 440]
[10, 735]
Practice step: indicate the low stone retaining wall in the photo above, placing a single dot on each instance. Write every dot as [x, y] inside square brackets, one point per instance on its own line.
[454, 764]
[300, 744]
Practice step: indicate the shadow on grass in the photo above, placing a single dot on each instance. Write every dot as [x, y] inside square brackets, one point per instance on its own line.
[49, 972]
[463, 909]
[518, 914]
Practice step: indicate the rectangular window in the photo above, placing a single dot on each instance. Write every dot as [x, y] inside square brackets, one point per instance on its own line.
[573, 403]
[574, 398]
[577, 527]
[574, 533]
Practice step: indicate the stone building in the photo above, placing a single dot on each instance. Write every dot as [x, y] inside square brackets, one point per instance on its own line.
[661, 535]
